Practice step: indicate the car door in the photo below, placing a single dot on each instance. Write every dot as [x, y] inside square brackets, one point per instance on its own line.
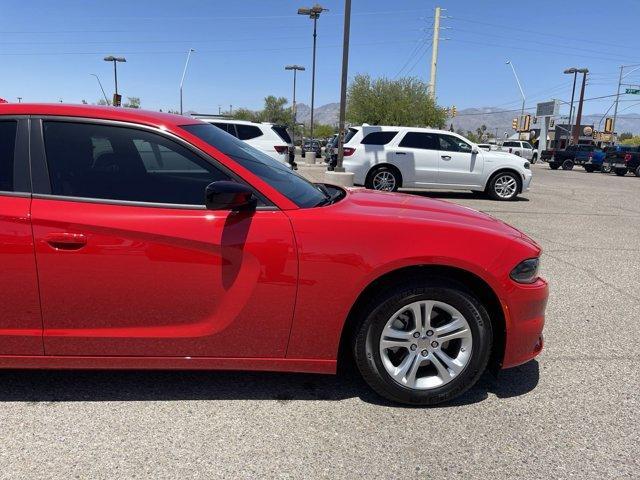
[527, 150]
[130, 262]
[458, 165]
[419, 152]
[21, 320]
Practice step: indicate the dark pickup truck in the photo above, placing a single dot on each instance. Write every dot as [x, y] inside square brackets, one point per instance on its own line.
[624, 159]
[570, 156]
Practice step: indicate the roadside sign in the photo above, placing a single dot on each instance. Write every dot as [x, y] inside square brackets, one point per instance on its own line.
[547, 109]
[633, 91]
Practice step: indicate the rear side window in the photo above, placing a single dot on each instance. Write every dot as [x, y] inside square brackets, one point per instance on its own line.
[119, 163]
[227, 127]
[349, 135]
[378, 138]
[282, 133]
[247, 132]
[7, 154]
[510, 144]
[425, 141]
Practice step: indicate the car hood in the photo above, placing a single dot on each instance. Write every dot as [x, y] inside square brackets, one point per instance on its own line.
[406, 208]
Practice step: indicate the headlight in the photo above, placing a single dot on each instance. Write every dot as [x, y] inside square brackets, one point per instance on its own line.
[526, 271]
[527, 165]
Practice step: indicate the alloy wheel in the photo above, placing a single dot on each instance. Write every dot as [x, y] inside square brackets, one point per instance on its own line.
[384, 180]
[425, 345]
[505, 186]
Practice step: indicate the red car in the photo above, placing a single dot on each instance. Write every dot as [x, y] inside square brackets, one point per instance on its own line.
[142, 240]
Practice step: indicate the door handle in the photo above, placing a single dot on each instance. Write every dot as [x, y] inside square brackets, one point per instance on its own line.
[445, 157]
[66, 241]
[401, 153]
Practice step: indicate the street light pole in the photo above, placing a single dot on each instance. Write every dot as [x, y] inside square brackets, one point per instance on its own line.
[295, 69]
[343, 84]
[519, 86]
[101, 88]
[115, 60]
[313, 13]
[184, 72]
[576, 128]
[573, 92]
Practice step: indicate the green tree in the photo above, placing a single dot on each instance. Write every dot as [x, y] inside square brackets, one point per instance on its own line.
[275, 111]
[245, 114]
[392, 102]
[323, 131]
[634, 140]
[625, 136]
[132, 102]
[102, 102]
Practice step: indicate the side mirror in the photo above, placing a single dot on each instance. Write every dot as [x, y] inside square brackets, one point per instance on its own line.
[225, 195]
[475, 151]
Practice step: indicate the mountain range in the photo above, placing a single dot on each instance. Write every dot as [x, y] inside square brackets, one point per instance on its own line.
[472, 118]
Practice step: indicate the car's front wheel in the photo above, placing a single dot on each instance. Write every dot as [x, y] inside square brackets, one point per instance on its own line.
[589, 168]
[384, 179]
[621, 172]
[503, 186]
[606, 168]
[423, 343]
[637, 171]
[567, 165]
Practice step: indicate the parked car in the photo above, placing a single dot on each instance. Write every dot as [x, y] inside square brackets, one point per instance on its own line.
[594, 161]
[625, 160]
[274, 140]
[615, 154]
[144, 240]
[330, 149]
[521, 149]
[313, 147]
[388, 158]
[570, 156]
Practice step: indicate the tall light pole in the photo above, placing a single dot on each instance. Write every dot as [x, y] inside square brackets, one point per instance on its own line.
[576, 128]
[101, 88]
[313, 13]
[573, 71]
[115, 60]
[434, 52]
[615, 111]
[295, 69]
[184, 72]
[519, 86]
[343, 84]
[19, 99]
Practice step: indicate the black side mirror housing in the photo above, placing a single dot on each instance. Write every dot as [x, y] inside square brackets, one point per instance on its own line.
[225, 195]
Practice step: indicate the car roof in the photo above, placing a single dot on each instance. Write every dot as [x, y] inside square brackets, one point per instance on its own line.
[213, 118]
[135, 115]
[401, 127]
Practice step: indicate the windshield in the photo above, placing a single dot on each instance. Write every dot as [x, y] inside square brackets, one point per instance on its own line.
[291, 185]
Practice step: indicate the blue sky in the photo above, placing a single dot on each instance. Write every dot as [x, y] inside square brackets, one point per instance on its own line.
[49, 49]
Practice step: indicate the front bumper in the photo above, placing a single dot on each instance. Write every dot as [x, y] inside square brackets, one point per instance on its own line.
[524, 317]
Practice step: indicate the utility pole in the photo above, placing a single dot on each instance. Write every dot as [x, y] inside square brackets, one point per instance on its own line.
[434, 53]
[576, 128]
[615, 110]
[343, 85]
[573, 92]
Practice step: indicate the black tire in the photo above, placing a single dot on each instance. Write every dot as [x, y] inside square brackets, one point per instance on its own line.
[589, 168]
[371, 183]
[567, 165]
[606, 168]
[554, 166]
[492, 191]
[366, 341]
[637, 171]
[621, 172]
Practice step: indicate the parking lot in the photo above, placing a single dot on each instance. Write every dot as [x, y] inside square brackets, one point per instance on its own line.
[573, 413]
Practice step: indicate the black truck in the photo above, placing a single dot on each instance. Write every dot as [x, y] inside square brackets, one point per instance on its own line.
[624, 160]
[570, 156]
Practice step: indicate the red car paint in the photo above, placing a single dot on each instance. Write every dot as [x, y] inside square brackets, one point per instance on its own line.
[92, 285]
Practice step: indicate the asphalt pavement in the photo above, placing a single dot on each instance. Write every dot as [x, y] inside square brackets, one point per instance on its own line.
[573, 413]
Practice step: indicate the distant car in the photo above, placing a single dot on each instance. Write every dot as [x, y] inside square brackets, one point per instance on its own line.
[388, 158]
[625, 160]
[312, 146]
[485, 146]
[521, 149]
[570, 156]
[615, 154]
[594, 161]
[330, 149]
[272, 139]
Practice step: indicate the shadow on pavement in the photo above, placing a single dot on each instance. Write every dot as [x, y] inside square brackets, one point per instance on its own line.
[457, 195]
[97, 386]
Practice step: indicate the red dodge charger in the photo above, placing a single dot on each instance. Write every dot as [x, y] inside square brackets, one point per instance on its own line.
[142, 240]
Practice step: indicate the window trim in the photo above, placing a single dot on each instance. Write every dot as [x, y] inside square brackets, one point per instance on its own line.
[395, 135]
[409, 132]
[21, 164]
[41, 182]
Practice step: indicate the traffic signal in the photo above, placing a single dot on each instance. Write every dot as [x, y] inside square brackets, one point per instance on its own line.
[514, 124]
[117, 100]
[454, 111]
[608, 125]
[526, 123]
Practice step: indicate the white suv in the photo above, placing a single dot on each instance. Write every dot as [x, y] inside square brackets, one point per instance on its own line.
[387, 158]
[521, 149]
[274, 140]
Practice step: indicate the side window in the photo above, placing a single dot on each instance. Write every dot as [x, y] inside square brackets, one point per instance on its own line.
[527, 145]
[120, 163]
[425, 141]
[7, 154]
[227, 127]
[247, 132]
[378, 138]
[449, 143]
